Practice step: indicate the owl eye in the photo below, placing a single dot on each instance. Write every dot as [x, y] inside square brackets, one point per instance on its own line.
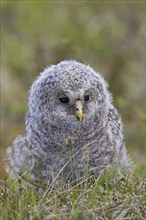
[86, 98]
[64, 99]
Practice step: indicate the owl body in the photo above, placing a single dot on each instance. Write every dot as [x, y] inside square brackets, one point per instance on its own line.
[72, 127]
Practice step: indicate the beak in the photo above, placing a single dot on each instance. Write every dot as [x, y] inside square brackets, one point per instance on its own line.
[79, 110]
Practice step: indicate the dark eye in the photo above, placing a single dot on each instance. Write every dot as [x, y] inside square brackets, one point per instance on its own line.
[86, 98]
[64, 99]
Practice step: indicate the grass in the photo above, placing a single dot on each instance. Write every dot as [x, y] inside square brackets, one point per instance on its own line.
[101, 198]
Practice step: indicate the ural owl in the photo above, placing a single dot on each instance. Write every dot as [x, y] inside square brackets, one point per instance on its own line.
[72, 127]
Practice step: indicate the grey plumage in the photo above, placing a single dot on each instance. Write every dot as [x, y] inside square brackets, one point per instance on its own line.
[57, 143]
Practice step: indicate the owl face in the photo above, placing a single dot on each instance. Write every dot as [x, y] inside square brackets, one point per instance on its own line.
[70, 90]
[79, 103]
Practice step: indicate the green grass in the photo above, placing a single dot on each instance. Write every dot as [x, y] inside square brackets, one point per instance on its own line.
[103, 198]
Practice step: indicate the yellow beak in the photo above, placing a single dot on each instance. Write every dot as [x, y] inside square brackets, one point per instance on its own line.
[79, 110]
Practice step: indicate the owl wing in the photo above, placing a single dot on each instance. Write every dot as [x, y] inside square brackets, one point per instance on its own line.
[19, 154]
[24, 160]
[116, 129]
[115, 123]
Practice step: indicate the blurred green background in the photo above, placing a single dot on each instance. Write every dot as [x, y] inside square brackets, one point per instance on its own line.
[107, 35]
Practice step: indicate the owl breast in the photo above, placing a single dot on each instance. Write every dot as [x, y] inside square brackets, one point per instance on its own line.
[71, 145]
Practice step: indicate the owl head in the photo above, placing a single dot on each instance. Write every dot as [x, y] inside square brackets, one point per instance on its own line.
[71, 90]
